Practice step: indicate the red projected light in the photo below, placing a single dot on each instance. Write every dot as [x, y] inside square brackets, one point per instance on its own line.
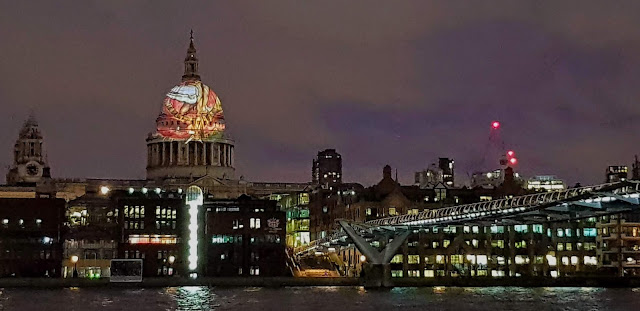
[510, 153]
[513, 161]
[495, 124]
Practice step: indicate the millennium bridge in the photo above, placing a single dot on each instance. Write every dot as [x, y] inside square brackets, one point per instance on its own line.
[391, 232]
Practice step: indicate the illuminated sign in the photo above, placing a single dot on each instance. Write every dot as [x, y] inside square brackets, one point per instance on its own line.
[191, 111]
[152, 239]
[273, 225]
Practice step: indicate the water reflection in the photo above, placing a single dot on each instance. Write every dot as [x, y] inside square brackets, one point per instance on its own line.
[195, 298]
[320, 298]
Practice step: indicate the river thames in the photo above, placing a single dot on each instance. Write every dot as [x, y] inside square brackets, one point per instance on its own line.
[320, 298]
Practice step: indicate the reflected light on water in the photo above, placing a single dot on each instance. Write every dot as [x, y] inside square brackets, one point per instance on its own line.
[439, 289]
[195, 298]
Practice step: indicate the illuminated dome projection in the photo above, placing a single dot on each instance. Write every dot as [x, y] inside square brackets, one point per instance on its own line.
[190, 140]
[191, 110]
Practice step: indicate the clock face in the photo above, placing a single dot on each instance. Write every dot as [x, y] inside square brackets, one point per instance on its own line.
[32, 169]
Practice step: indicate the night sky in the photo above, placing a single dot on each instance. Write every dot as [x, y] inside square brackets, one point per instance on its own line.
[383, 82]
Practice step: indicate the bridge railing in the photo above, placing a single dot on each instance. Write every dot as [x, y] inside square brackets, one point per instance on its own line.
[505, 206]
[481, 209]
[336, 235]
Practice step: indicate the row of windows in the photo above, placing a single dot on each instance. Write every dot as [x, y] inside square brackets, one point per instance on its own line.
[133, 212]
[229, 239]
[165, 213]
[560, 232]
[21, 254]
[483, 260]
[20, 222]
[134, 224]
[254, 223]
[226, 239]
[134, 255]
[166, 224]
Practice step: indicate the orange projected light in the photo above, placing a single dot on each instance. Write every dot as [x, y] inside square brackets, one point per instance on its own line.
[191, 110]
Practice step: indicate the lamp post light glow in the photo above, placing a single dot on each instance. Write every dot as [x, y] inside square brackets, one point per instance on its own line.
[104, 190]
[74, 260]
[194, 199]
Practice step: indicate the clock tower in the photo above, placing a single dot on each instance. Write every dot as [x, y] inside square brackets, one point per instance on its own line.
[29, 163]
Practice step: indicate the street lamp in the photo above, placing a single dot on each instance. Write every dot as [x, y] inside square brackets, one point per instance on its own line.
[74, 259]
[172, 259]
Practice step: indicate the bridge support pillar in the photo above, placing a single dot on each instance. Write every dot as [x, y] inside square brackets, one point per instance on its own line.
[377, 276]
[377, 270]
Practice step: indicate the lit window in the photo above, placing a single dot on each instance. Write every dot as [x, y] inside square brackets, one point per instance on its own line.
[254, 270]
[574, 260]
[254, 223]
[590, 260]
[521, 228]
[589, 232]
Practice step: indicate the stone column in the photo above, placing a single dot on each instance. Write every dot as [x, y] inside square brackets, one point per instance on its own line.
[185, 154]
[211, 154]
[171, 153]
[204, 153]
[154, 154]
[148, 155]
[223, 153]
[195, 153]
[232, 157]
[163, 156]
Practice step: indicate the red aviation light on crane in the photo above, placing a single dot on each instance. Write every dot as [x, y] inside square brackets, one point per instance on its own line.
[510, 153]
[513, 161]
[495, 125]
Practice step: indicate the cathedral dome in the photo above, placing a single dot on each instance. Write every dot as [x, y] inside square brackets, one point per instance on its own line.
[191, 110]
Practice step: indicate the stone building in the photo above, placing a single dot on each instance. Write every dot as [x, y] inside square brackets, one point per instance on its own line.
[29, 160]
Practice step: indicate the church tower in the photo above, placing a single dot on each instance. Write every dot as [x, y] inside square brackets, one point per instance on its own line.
[190, 140]
[29, 161]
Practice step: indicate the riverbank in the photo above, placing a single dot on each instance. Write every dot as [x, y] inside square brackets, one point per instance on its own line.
[325, 281]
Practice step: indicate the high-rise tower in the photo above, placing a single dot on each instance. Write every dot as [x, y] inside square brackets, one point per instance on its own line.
[190, 141]
[327, 168]
[29, 161]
